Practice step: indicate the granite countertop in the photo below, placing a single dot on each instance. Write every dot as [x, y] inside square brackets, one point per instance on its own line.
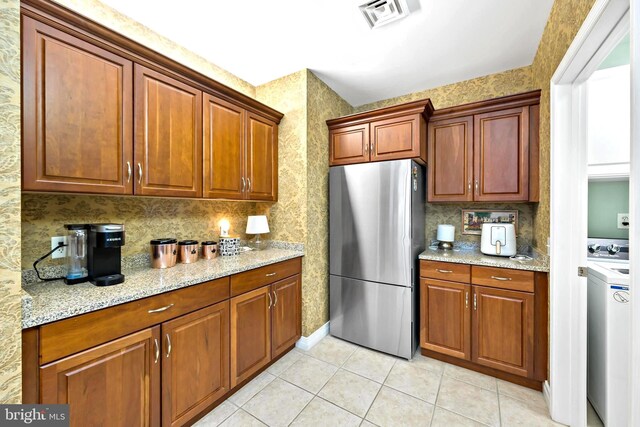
[471, 255]
[44, 302]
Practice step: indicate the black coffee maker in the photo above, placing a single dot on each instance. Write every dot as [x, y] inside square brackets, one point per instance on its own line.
[103, 256]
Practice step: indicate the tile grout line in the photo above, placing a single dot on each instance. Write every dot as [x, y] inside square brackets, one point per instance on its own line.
[435, 403]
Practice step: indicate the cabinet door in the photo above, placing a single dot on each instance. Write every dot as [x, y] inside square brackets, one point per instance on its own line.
[501, 155]
[503, 330]
[450, 160]
[224, 127]
[286, 314]
[195, 366]
[445, 319]
[397, 138]
[168, 136]
[349, 145]
[115, 384]
[77, 121]
[261, 158]
[250, 333]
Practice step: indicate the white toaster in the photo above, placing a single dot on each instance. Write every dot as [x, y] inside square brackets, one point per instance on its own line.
[498, 239]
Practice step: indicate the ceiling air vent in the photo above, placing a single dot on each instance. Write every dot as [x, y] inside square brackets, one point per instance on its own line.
[381, 12]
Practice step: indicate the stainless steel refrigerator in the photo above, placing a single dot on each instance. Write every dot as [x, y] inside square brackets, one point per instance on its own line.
[376, 234]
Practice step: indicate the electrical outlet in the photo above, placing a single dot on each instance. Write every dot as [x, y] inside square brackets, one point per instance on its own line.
[55, 242]
[623, 221]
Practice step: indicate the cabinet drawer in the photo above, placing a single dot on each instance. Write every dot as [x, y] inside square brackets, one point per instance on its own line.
[445, 271]
[256, 278]
[504, 278]
[68, 336]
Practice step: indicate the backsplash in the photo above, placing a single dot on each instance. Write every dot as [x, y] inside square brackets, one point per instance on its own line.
[451, 213]
[145, 218]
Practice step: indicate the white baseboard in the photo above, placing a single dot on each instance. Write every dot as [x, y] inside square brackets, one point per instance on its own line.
[305, 343]
[546, 392]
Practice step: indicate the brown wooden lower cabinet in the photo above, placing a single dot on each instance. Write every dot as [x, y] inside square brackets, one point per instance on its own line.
[115, 384]
[492, 329]
[264, 323]
[195, 363]
[503, 330]
[176, 370]
[446, 325]
[250, 333]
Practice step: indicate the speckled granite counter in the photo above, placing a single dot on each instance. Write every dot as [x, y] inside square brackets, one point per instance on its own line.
[45, 302]
[472, 255]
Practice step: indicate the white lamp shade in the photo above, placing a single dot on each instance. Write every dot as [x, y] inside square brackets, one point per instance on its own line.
[257, 224]
[446, 233]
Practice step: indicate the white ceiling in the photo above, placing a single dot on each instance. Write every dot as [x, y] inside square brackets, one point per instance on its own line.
[441, 42]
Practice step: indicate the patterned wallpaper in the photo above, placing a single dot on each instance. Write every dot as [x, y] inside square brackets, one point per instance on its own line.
[301, 214]
[10, 290]
[145, 218]
[565, 20]
[103, 14]
[322, 104]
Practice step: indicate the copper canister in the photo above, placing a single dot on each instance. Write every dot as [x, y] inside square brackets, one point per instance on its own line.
[187, 251]
[163, 253]
[209, 249]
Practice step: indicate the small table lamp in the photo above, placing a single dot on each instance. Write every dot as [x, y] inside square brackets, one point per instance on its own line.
[446, 233]
[257, 224]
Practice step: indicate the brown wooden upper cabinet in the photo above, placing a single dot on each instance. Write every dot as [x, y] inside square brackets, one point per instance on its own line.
[392, 133]
[77, 115]
[95, 120]
[240, 152]
[486, 151]
[168, 136]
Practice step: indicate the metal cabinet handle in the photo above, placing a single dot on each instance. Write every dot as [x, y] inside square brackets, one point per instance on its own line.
[477, 187]
[443, 271]
[155, 342]
[475, 301]
[270, 274]
[469, 186]
[243, 184]
[168, 344]
[270, 300]
[128, 172]
[248, 184]
[158, 310]
[366, 148]
[466, 299]
[139, 173]
[275, 295]
[504, 279]
[373, 148]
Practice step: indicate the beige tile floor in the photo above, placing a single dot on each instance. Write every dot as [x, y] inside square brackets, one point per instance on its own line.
[337, 383]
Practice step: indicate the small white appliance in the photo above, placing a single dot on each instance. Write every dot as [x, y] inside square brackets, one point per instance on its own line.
[498, 239]
[608, 317]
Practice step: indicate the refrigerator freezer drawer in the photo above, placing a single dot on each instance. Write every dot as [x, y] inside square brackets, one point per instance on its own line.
[373, 315]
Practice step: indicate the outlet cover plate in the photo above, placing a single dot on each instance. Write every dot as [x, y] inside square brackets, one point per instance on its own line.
[62, 252]
[623, 221]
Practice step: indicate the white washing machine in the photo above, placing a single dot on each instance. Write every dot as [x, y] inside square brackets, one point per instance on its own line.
[608, 330]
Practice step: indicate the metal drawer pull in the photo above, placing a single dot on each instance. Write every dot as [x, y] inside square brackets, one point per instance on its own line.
[168, 345]
[466, 299]
[248, 185]
[443, 271]
[244, 184]
[504, 279]
[158, 310]
[128, 172]
[275, 295]
[475, 301]
[155, 341]
[270, 274]
[270, 300]
[139, 173]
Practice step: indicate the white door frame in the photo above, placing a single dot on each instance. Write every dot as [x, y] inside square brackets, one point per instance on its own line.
[566, 391]
[634, 212]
